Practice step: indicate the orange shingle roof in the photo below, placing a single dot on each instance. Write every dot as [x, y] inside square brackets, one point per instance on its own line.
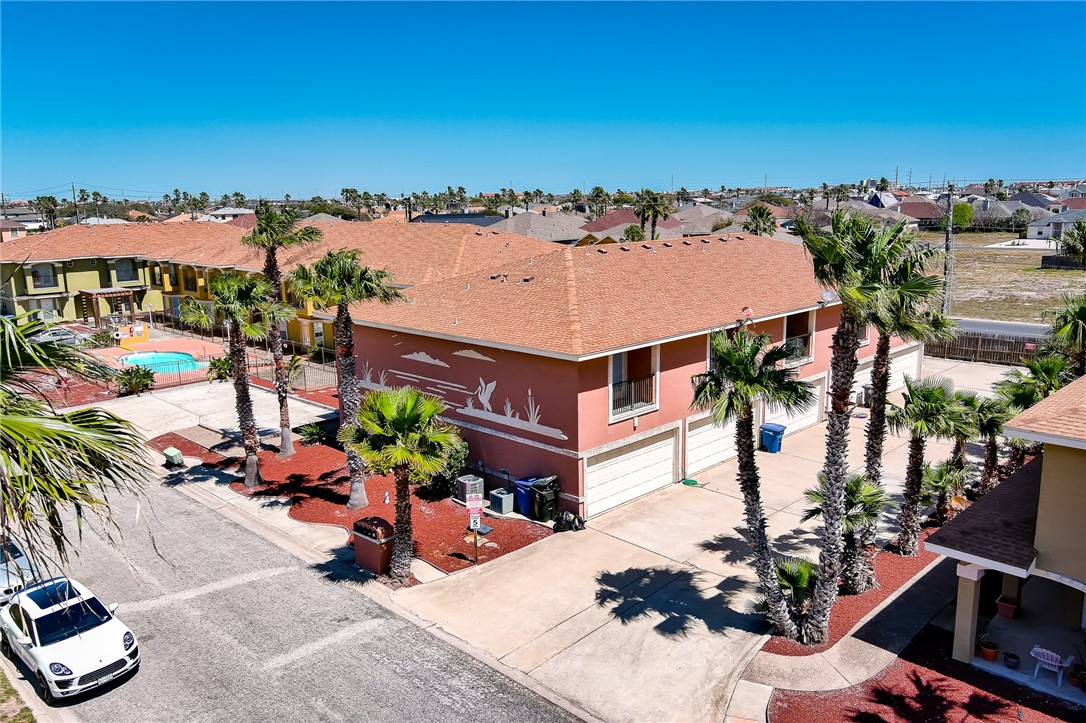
[1061, 415]
[582, 301]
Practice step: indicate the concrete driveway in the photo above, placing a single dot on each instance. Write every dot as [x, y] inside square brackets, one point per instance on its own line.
[210, 406]
[646, 614]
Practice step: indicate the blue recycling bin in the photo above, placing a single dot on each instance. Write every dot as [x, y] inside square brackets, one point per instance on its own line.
[522, 495]
[772, 434]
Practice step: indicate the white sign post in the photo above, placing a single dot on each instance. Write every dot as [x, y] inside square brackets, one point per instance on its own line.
[474, 503]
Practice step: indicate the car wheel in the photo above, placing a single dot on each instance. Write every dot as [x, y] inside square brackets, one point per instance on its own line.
[5, 647]
[46, 691]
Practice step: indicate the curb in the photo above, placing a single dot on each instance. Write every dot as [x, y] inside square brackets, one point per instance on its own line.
[379, 594]
[28, 693]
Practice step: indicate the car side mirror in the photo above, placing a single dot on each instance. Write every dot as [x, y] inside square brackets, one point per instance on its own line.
[23, 640]
[112, 608]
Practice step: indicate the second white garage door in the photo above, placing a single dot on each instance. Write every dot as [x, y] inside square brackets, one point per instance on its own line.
[903, 365]
[708, 444]
[625, 473]
[799, 420]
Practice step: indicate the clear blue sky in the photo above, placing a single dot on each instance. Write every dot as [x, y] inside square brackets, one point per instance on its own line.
[308, 98]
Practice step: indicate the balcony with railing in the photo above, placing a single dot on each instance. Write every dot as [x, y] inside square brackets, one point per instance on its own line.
[802, 342]
[633, 394]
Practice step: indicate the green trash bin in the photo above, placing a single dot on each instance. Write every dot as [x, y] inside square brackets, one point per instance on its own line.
[173, 456]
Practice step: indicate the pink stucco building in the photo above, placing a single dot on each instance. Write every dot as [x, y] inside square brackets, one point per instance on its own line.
[578, 361]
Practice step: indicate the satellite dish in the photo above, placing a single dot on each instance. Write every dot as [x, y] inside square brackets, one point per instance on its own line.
[748, 312]
[828, 296]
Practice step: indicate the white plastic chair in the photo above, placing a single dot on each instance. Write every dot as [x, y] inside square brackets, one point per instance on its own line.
[1051, 661]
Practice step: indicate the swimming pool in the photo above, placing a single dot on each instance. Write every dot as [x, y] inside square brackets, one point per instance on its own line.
[164, 361]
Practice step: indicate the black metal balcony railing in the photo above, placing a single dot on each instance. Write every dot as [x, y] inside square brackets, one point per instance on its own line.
[633, 394]
[803, 344]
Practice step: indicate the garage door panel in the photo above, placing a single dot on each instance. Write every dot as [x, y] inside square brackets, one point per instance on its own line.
[903, 365]
[625, 473]
[708, 444]
[799, 420]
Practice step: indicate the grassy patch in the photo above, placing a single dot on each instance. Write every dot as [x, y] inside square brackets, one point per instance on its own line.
[12, 709]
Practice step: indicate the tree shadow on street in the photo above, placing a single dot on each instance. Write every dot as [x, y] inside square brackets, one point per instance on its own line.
[680, 598]
[736, 549]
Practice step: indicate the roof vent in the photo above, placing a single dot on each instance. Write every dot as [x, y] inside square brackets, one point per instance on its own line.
[624, 248]
[686, 243]
[455, 321]
[526, 279]
[705, 240]
[739, 237]
[494, 232]
[646, 246]
[602, 251]
[467, 287]
[723, 238]
[667, 245]
[531, 261]
[478, 233]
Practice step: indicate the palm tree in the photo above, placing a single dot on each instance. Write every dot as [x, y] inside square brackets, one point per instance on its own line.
[598, 201]
[351, 197]
[942, 486]
[338, 279]
[1041, 377]
[760, 221]
[1068, 330]
[991, 415]
[53, 464]
[1072, 242]
[864, 503]
[243, 303]
[929, 410]
[964, 427]
[274, 231]
[743, 368]
[400, 431]
[844, 260]
[904, 312]
[651, 208]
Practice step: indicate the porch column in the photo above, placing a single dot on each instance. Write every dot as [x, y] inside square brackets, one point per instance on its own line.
[965, 611]
[1012, 586]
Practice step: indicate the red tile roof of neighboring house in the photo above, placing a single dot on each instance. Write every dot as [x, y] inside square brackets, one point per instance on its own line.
[1062, 416]
[246, 221]
[625, 216]
[588, 300]
[8, 223]
[777, 211]
[923, 210]
[1073, 203]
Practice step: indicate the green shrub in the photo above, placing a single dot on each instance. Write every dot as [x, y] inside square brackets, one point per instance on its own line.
[134, 380]
[102, 338]
[220, 369]
[312, 434]
[443, 483]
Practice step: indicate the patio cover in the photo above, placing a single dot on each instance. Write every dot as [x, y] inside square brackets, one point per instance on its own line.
[997, 532]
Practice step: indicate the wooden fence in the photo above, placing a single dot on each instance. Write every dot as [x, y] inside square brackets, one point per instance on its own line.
[990, 348]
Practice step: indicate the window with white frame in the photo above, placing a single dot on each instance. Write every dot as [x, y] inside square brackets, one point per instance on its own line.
[43, 276]
[633, 380]
[126, 270]
[799, 332]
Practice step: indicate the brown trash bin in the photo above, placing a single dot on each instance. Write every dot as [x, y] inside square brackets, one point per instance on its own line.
[373, 539]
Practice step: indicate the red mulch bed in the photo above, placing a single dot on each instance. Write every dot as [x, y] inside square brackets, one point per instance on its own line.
[190, 449]
[78, 391]
[891, 570]
[924, 685]
[315, 480]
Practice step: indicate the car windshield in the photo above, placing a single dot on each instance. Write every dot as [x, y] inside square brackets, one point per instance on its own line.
[75, 619]
[10, 552]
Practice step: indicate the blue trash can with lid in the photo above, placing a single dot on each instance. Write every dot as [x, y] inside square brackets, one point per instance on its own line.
[522, 495]
[772, 434]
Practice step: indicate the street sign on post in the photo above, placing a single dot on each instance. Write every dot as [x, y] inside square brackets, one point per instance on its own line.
[474, 503]
[474, 522]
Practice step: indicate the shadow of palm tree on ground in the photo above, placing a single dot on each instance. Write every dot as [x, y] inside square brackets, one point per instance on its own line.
[930, 700]
[737, 549]
[677, 597]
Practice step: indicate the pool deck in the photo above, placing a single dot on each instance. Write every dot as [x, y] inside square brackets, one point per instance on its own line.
[196, 347]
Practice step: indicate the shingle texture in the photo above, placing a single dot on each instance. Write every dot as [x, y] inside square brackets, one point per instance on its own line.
[1061, 415]
[1002, 524]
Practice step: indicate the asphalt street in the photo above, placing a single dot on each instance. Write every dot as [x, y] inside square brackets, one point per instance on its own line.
[232, 628]
[1008, 328]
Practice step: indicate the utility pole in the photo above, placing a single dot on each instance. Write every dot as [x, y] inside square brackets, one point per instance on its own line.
[896, 169]
[75, 203]
[765, 183]
[910, 178]
[3, 206]
[948, 252]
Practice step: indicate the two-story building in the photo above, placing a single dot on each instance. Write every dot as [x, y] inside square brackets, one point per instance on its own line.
[578, 361]
[1032, 530]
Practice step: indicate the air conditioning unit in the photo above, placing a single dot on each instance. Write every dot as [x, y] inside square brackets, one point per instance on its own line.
[469, 484]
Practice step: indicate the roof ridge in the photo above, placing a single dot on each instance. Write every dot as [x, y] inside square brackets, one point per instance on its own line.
[460, 251]
[571, 292]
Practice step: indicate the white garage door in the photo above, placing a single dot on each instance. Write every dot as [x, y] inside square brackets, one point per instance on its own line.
[628, 472]
[708, 444]
[799, 420]
[902, 365]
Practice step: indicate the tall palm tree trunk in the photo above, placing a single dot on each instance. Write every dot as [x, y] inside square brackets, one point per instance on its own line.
[275, 345]
[250, 437]
[652, 237]
[957, 454]
[991, 462]
[846, 342]
[909, 535]
[349, 399]
[876, 418]
[778, 608]
[403, 548]
[857, 568]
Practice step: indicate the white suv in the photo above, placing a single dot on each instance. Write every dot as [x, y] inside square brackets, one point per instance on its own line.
[67, 637]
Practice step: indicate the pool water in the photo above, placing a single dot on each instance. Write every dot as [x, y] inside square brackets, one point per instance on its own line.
[164, 361]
